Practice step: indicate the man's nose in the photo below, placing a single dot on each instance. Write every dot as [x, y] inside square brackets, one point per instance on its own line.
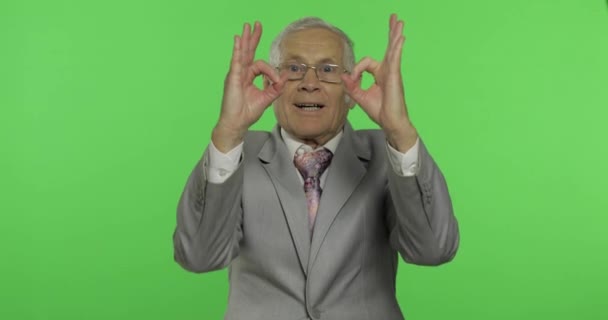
[310, 82]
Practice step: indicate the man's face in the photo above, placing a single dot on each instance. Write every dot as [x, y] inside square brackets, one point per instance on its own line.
[312, 125]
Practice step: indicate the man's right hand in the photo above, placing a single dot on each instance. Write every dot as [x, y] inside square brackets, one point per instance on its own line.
[244, 103]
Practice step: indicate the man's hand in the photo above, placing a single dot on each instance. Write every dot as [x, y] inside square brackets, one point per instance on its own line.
[244, 103]
[384, 101]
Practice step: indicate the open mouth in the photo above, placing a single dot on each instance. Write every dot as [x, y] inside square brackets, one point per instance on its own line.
[309, 106]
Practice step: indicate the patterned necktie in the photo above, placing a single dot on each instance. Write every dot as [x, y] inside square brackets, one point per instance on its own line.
[311, 166]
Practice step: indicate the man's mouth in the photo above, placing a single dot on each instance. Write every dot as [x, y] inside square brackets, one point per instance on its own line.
[309, 106]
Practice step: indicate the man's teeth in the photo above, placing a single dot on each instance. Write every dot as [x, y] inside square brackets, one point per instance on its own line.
[309, 106]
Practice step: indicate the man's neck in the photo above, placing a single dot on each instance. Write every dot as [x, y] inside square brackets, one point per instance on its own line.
[293, 143]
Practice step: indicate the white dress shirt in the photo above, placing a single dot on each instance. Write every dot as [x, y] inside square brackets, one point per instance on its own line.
[222, 165]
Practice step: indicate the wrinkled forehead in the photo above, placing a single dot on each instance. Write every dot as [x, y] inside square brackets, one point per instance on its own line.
[318, 45]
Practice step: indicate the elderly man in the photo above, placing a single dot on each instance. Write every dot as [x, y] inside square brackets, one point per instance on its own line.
[309, 217]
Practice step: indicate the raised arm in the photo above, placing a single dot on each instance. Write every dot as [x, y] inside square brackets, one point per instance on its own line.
[422, 224]
[209, 213]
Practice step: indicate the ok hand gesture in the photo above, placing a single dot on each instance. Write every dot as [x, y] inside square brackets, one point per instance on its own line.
[244, 103]
[384, 101]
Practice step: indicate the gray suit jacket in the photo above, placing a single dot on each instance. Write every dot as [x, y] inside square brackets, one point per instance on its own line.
[256, 223]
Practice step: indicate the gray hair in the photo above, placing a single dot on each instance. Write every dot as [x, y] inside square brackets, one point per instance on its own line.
[312, 23]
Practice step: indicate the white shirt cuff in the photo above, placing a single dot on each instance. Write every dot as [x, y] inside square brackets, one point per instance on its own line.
[404, 164]
[222, 165]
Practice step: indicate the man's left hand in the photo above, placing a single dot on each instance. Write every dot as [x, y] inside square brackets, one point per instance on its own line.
[384, 101]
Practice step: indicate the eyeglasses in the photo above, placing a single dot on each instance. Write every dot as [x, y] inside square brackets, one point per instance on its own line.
[325, 72]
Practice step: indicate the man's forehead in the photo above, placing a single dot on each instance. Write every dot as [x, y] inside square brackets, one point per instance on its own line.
[313, 35]
[318, 44]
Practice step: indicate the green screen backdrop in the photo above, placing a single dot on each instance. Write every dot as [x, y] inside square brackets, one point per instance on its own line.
[105, 107]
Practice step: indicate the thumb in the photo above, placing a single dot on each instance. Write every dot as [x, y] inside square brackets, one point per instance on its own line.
[275, 89]
[353, 88]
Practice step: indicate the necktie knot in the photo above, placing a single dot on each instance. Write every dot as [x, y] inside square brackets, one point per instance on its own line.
[311, 166]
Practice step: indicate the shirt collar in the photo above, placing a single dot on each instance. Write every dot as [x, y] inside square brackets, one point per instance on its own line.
[293, 145]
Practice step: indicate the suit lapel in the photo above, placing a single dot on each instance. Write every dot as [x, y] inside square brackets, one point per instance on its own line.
[344, 175]
[277, 163]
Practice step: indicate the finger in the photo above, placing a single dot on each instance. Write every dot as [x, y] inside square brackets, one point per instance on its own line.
[391, 50]
[396, 51]
[397, 32]
[255, 40]
[277, 87]
[393, 31]
[366, 64]
[282, 79]
[245, 43]
[399, 29]
[235, 62]
[353, 89]
[396, 54]
[391, 35]
[272, 92]
[260, 67]
[350, 84]
[358, 68]
[391, 26]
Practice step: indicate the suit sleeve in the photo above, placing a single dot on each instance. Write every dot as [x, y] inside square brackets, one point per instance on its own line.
[420, 217]
[209, 221]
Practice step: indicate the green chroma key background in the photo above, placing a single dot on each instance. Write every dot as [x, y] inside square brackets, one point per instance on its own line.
[105, 107]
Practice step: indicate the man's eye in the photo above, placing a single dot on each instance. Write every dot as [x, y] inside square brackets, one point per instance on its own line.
[327, 68]
[293, 68]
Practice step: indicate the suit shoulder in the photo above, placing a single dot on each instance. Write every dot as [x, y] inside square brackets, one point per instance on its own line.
[369, 143]
[254, 135]
[370, 136]
[254, 140]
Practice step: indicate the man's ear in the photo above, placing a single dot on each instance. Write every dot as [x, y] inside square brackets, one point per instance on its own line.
[350, 102]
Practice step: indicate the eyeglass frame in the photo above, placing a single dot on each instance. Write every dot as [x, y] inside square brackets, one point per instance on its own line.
[314, 67]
